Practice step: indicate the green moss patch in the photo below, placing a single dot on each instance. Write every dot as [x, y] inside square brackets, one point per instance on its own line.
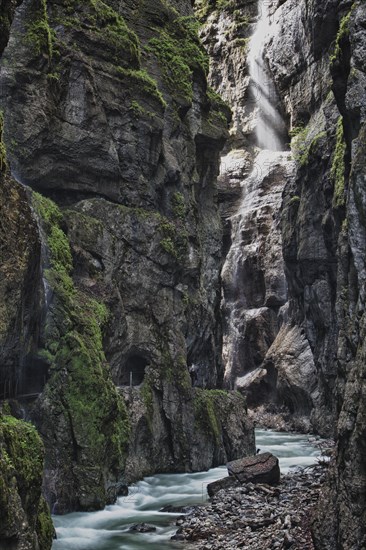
[337, 172]
[343, 33]
[140, 81]
[21, 469]
[3, 163]
[203, 8]
[39, 33]
[80, 378]
[302, 145]
[104, 24]
[23, 452]
[179, 52]
[207, 412]
[174, 239]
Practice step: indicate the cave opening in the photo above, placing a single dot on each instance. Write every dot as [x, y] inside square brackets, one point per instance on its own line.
[133, 372]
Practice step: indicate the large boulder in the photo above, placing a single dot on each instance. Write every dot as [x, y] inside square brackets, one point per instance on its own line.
[224, 483]
[262, 468]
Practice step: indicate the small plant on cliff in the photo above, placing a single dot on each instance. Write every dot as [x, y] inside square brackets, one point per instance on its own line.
[337, 172]
[3, 163]
[39, 33]
[343, 33]
[179, 52]
[175, 239]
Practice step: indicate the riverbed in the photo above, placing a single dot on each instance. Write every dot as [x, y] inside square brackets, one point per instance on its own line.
[109, 528]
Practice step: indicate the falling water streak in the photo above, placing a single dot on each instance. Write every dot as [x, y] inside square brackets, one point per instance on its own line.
[44, 258]
[270, 132]
[269, 123]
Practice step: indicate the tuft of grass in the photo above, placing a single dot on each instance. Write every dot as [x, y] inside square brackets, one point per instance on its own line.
[3, 162]
[180, 52]
[337, 172]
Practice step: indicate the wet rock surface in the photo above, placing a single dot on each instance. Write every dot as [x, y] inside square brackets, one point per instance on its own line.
[262, 468]
[93, 121]
[257, 517]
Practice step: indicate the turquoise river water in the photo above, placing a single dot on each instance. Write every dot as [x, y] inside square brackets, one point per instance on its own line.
[109, 528]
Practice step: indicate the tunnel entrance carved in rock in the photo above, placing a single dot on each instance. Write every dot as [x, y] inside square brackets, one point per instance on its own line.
[133, 371]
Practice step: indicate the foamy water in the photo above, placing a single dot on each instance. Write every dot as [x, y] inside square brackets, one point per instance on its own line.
[109, 528]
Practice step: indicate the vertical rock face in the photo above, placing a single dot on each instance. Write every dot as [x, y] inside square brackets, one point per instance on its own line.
[109, 120]
[312, 211]
[315, 364]
[347, 490]
[21, 301]
[317, 60]
[25, 517]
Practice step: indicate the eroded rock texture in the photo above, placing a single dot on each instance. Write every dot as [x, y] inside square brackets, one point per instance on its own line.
[315, 364]
[110, 123]
[25, 517]
[323, 85]
[283, 274]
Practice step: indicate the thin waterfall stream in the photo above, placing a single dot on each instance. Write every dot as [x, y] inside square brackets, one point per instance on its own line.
[254, 282]
[109, 529]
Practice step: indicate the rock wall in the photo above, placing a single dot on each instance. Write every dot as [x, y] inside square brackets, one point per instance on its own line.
[317, 61]
[110, 126]
[25, 517]
[250, 191]
[315, 365]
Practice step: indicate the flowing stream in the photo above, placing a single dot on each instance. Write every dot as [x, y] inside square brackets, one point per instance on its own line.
[109, 528]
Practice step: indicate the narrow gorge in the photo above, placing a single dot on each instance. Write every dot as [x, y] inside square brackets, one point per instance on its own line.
[182, 237]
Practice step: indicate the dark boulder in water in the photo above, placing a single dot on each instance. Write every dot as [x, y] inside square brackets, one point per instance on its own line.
[262, 468]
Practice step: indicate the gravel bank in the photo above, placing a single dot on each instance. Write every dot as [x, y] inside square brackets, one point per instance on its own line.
[257, 517]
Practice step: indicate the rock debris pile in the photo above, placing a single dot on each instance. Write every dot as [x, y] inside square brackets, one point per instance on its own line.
[257, 516]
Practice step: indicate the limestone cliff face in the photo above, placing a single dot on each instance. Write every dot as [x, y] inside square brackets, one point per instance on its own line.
[317, 60]
[315, 363]
[107, 115]
[250, 192]
[280, 278]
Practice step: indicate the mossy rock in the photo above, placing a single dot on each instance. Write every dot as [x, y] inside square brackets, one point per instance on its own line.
[23, 511]
[80, 384]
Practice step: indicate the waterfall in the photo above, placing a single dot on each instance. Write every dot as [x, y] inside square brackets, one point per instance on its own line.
[270, 126]
[254, 283]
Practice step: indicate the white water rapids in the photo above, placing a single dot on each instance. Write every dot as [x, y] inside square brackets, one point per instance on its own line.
[109, 528]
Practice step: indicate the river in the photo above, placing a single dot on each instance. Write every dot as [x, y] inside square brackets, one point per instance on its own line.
[109, 528]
